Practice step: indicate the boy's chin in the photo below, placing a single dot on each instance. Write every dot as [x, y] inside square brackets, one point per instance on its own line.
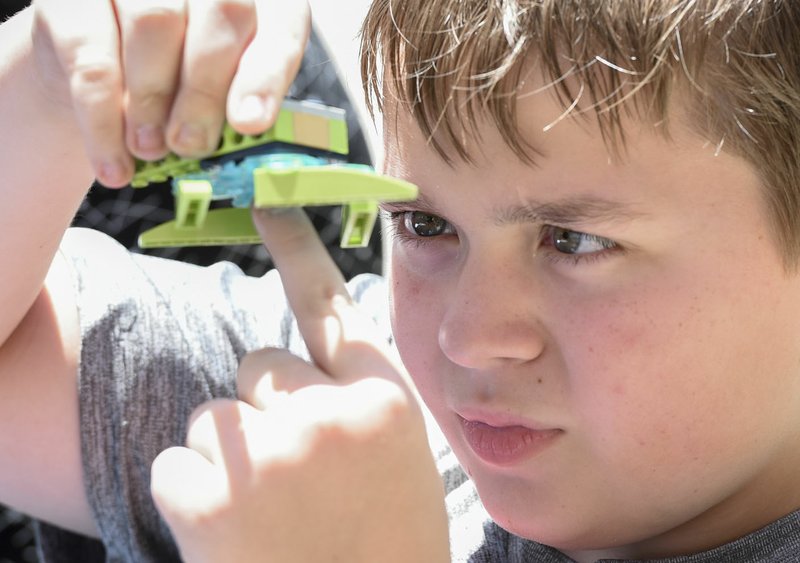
[551, 523]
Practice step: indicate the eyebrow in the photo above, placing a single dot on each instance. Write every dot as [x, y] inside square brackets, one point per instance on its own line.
[568, 211]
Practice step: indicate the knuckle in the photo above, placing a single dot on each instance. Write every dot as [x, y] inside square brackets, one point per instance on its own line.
[253, 366]
[257, 358]
[208, 92]
[91, 72]
[390, 409]
[151, 17]
[255, 361]
[145, 99]
[394, 400]
[240, 14]
[269, 372]
[325, 434]
[203, 415]
[374, 410]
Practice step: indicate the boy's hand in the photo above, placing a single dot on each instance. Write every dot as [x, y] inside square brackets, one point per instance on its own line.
[322, 462]
[147, 76]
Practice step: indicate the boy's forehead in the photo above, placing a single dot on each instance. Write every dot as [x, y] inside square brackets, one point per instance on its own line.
[540, 117]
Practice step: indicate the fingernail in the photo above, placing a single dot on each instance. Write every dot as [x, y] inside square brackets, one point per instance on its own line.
[149, 138]
[111, 173]
[192, 136]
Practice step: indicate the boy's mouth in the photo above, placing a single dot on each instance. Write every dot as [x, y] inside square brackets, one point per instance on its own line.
[506, 445]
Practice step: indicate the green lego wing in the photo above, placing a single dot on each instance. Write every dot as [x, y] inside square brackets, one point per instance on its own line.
[357, 189]
[326, 185]
[231, 225]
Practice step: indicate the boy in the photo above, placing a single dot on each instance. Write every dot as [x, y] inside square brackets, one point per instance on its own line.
[596, 295]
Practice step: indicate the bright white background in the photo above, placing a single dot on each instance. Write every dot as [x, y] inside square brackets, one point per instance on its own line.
[339, 22]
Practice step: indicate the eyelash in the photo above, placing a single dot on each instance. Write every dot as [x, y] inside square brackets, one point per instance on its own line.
[399, 232]
[607, 247]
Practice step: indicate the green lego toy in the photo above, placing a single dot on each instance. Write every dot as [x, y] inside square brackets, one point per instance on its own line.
[300, 161]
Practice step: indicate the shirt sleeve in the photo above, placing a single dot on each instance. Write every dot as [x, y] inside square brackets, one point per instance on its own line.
[159, 338]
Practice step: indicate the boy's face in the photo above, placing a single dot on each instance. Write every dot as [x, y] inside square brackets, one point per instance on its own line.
[611, 347]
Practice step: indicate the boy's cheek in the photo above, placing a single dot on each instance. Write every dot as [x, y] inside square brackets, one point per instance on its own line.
[665, 371]
[415, 312]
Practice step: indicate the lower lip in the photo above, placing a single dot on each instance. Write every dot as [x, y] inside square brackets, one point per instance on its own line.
[506, 445]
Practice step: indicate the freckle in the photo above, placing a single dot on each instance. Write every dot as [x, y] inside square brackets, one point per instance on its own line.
[539, 380]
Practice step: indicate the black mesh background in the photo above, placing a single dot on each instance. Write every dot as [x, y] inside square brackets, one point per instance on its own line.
[125, 213]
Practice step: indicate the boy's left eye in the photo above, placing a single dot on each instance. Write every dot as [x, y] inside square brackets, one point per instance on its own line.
[571, 242]
[424, 224]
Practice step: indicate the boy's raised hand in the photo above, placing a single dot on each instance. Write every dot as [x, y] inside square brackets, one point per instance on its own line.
[148, 76]
[315, 462]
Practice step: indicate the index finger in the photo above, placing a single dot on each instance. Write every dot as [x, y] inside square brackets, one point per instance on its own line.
[342, 340]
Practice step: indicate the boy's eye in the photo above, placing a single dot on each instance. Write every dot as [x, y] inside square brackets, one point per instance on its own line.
[424, 224]
[567, 241]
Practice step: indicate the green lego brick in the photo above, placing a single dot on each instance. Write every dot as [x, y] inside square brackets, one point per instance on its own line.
[338, 137]
[192, 199]
[358, 221]
[326, 185]
[162, 170]
[283, 131]
[232, 141]
[231, 225]
[284, 127]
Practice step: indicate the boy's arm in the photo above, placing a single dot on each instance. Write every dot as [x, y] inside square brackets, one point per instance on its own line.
[64, 115]
[44, 175]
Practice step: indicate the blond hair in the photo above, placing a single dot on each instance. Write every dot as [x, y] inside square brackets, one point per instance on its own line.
[451, 62]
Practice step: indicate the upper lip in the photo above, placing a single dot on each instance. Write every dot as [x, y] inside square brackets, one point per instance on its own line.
[500, 419]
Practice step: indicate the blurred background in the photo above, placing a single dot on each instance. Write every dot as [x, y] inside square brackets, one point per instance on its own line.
[125, 213]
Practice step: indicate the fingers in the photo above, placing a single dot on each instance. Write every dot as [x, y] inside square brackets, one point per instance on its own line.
[269, 64]
[150, 76]
[152, 34]
[187, 63]
[217, 34]
[268, 376]
[89, 58]
[215, 431]
[341, 340]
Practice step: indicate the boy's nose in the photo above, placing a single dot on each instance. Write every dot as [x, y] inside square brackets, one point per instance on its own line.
[490, 320]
